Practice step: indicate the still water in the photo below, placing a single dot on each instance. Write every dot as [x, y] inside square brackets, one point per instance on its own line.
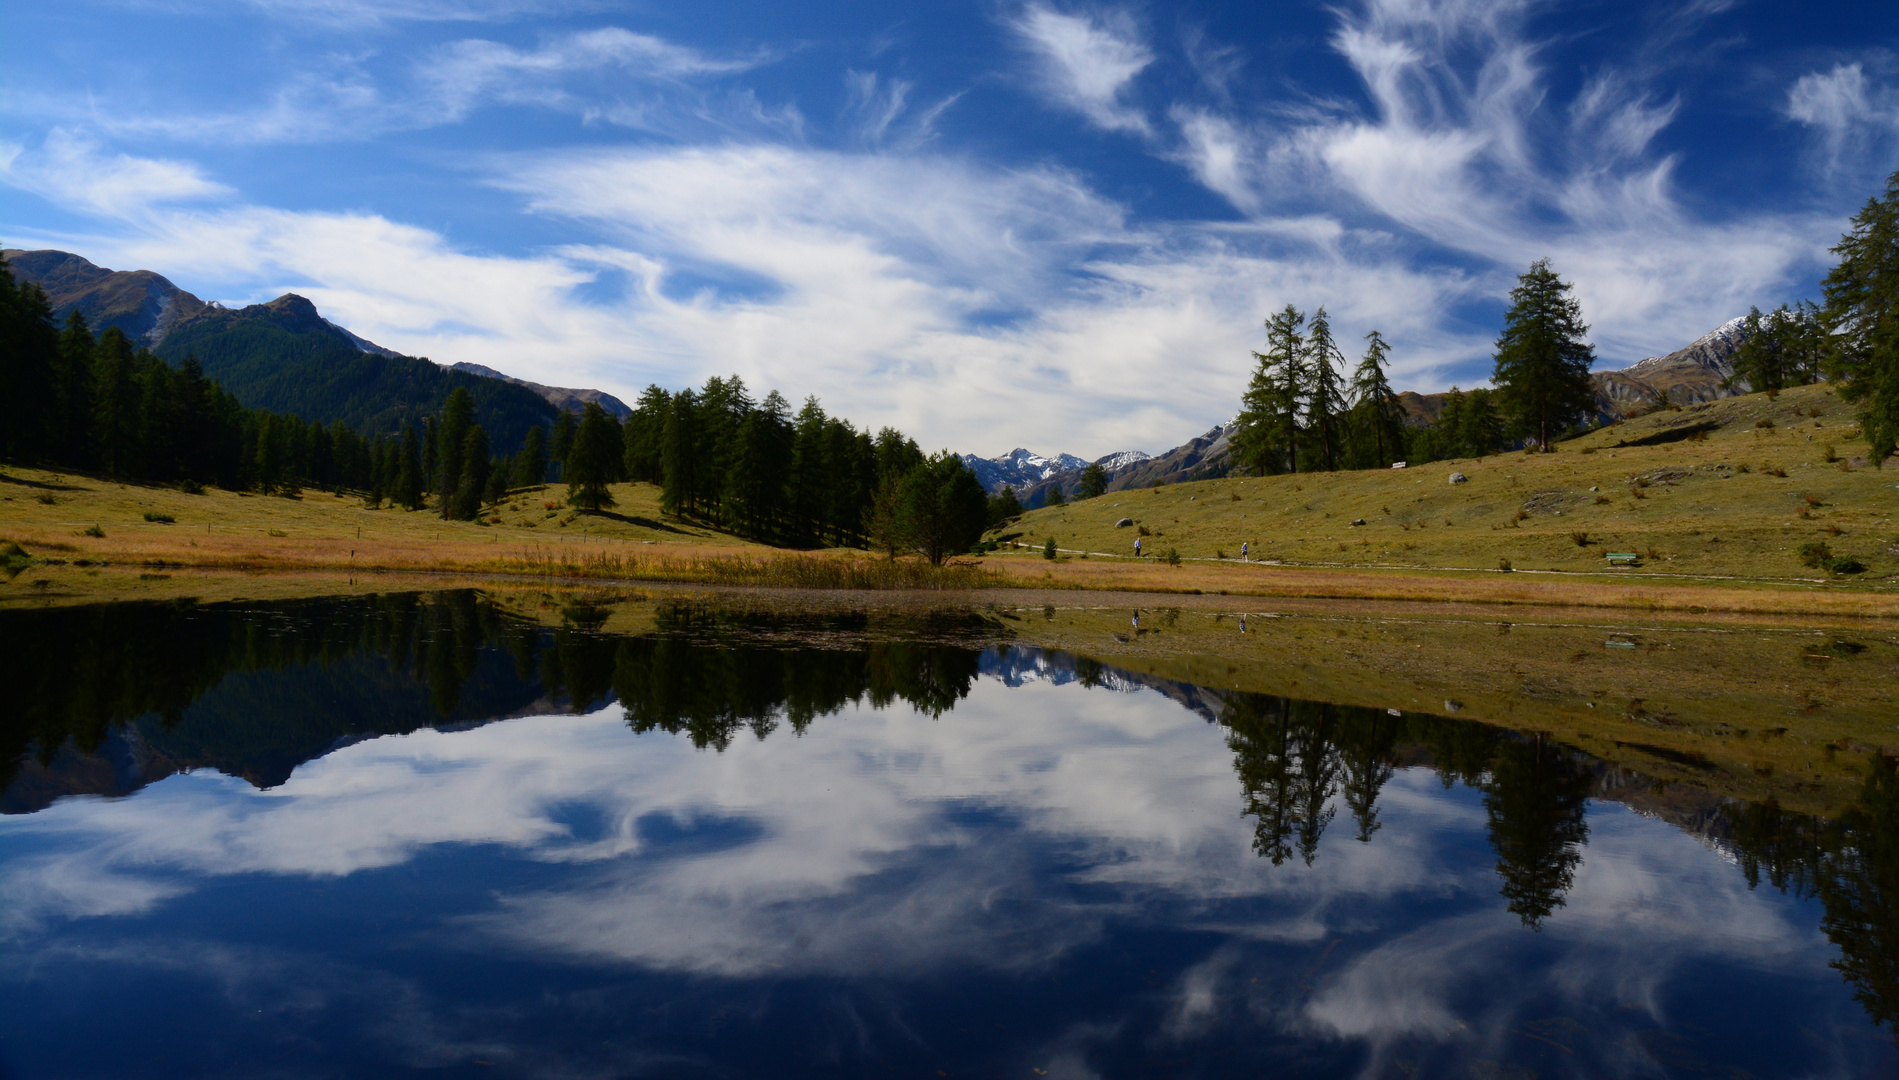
[410, 835]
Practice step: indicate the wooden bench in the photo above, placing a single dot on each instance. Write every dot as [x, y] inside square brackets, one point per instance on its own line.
[1622, 558]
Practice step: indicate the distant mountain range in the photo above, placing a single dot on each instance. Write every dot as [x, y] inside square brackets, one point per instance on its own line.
[286, 357]
[1697, 372]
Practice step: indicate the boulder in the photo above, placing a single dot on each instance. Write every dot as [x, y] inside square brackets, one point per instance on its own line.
[1124, 523]
[1459, 478]
[1358, 521]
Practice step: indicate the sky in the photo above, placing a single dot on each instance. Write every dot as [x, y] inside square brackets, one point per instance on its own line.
[989, 224]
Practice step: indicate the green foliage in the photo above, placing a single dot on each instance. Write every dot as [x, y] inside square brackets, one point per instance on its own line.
[1054, 496]
[1093, 483]
[1324, 400]
[1267, 439]
[1048, 550]
[1862, 318]
[530, 465]
[940, 508]
[1781, 349]
[1003, 505]
[593, 459]
[1171, 557]
[1375, 426]
[1542, 361]
[157, 518]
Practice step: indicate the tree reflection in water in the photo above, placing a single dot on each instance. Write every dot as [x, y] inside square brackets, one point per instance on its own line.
[256, 690]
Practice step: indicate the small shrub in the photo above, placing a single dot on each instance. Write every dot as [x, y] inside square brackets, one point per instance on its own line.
[1219, 553]
[1588, 450]
[158, 518]
[1581, 536]
[1806, 513]
[1142, 530]
[1653, 552]
[1743, 469]
[278, 532]
[1504, 565]
[1641, 481]
[1833, 530]
[190, 487]
[46, 498]
[1813, 412]
[1172, 557]
[92, 530]
[1773, 395]
[1048, 550]
[1522, 515]
[1829, 453]
[1600, 499]
[1234, 497]
[1764, 422]
[1844, 564]
[1636, 492]
[1813, 500]
[1814, 553]
[1774, 470]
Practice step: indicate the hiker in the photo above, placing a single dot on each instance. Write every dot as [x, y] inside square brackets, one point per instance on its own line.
[1243, 550]
[1137, 620]
[1242, 624]
[1137, 547]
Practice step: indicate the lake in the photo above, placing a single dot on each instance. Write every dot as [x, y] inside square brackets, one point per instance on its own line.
[415, 834]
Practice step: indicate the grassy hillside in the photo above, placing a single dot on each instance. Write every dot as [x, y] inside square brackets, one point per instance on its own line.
[1715, 493]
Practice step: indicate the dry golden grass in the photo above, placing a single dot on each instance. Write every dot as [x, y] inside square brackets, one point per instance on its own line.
[1685, 507]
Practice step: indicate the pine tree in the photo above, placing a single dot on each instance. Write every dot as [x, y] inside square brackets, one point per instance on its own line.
[1003, 505]
[1268, 425]
[810, 474]
[679, 483]
[565, 426]
[72, 393]
[408, 485]
[474, 479]
[1862, 319]
[451, 435]
[530, 465]
[1378, 417]
[1325, 403]
[1480, 432]
[1542, 374]
[592, 459]
[1094, 481]
[1054, 496]
[645, 436]
[941, 509]
[114, 407]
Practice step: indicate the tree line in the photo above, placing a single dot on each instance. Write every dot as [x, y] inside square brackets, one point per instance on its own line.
[100, 404]
[755, 468]
[1298, 415]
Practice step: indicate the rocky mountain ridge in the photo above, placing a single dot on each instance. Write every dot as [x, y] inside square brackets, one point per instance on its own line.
[150, 309]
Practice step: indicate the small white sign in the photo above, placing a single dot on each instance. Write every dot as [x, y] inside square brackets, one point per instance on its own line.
[1397, 464]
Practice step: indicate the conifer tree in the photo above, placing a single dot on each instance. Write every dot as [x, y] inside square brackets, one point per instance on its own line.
[451, 435]
[1003, 505]
[1542, 373]
[565, 426]
[645, 436]
[113, 404]
[530, 465]
[408, 485]
[1054, 496]
[475, 466]
[1861, 317]
[72, 393]
[1268, 425]
[1325, 403]
[1377, 415]
[941, 509]
[679, 484]
[1093, 483]
[592, 459]
[1480, 431]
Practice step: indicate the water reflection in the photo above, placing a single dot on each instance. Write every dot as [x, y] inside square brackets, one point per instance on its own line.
[989, 860]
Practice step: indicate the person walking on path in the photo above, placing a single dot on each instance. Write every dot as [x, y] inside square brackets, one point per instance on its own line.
[1137, 620]
[1242, 624]
[1137, 547]
[1243, 550]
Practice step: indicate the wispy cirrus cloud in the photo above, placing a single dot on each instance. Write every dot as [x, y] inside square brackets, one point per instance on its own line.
[1088, 62]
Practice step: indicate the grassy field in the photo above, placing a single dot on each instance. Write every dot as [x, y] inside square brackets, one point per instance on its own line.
[1717, 521]
[1733, 503]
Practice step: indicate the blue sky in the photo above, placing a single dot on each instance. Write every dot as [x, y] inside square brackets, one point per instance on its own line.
[990, 224]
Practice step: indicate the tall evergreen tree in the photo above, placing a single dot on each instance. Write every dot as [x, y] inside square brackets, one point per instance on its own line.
[645, 436]
[565, 426]
[451, 436]
[1377, 416]
[679, 459]
[1542, 373]
[1480, 430]
[114, 406]
[1862, 319]
[530, 465]
[473, 484]
[1093, 482]
[408, 481]
[592, 460]
[1268, 425]
[941, 508]
[72, 392]
[1325, 401]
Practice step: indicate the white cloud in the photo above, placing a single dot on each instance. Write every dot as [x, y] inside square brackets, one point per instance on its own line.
[1088, 62]
[1850, 112]
[72, 170]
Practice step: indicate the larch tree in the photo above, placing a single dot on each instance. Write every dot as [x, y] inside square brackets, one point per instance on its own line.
[592, 460]
[1377, 415]
[1268, 425]
[1542, 372]
[1861, 316]
[1325, 401]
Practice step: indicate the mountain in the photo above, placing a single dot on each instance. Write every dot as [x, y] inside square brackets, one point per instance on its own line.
[563, 398]
[1020, 468]
[144, 305]
[283, 356]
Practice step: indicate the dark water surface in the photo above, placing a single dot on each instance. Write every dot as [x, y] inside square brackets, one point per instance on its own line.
[408, 835]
